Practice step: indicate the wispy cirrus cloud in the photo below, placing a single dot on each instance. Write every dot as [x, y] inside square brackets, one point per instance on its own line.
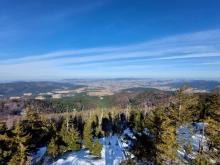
[172, 52]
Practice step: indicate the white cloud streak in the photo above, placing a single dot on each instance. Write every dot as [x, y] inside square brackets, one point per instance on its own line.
[196, 45]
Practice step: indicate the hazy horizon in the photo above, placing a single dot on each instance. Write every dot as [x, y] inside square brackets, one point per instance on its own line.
[107, 78]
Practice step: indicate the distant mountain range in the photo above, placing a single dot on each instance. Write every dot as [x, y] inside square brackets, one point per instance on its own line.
[123, 85]
[197, 84]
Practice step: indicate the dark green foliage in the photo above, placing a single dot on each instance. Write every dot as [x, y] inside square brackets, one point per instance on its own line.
[156, 144]
[138, 122]
[201, 159]
[64, 139]
[24, 138]
[87, 135]
[212, 117]
[53, 147]
[131, 121]
[37, 127]
[128, 162]
[187, 107]
[21, 140]
[107, 125]
[6, 144]
[70, 137]
[135, 122]
[56, 145]
[162, 131]
[144, 147]
[81, 102]
[96, 148]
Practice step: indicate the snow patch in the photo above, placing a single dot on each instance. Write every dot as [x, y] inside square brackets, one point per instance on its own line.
[129, 133]
[191, 135]
[112, 154]
[39, 155]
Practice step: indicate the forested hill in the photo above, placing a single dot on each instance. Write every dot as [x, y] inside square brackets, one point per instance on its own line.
[18, 88]
[198, 84]
[82, 101]
[142, 97]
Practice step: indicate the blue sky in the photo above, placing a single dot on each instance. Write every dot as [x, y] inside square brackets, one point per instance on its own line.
[50, 39]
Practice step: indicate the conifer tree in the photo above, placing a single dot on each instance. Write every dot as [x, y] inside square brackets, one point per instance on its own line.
[70, 137]
[131, 121]
[6, 144]
[94, 147]
[87, 135]
[3, 128]
[97, 148]
[53, 148]
[164, 133]
[167, 143]
[201, 159]
[211, 116]
[72, 140]
[98, 132]
[21, 140]
[37, 127]
[213, 133]
[187, 107]
[138, 121]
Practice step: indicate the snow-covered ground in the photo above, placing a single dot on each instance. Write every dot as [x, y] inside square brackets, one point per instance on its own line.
[112, 154]
[116, 148]
[191, 135]
[38, 155]
[129, 133]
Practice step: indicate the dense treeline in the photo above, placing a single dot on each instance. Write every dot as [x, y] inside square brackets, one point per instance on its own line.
[155, 131]
[159, 143]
